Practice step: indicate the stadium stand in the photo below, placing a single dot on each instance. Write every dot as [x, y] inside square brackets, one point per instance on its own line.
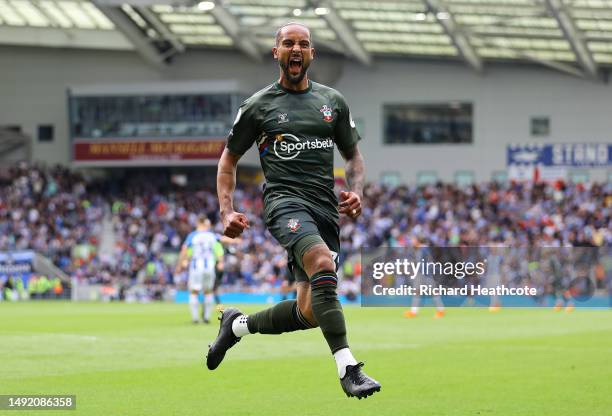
[59, 214]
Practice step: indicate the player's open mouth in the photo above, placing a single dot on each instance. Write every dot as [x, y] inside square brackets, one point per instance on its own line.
[295, 64]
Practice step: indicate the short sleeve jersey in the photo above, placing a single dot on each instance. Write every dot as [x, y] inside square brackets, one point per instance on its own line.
[202, 247]
[296, 133]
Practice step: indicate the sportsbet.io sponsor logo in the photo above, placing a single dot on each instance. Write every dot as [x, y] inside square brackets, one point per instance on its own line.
[287, 146]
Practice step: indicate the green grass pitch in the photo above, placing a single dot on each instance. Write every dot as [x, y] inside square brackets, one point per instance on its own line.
[127, 359]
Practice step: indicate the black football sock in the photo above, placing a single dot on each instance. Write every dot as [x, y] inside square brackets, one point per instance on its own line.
[285, 316]
[327, 310]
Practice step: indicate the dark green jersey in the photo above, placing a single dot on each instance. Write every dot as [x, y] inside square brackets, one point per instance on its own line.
[296, 133]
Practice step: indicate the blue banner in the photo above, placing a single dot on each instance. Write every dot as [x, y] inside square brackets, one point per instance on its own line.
[561, 155]
[16, 263]
[182, 296]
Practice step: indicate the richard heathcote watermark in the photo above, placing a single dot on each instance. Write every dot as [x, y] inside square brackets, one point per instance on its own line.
[523, 276]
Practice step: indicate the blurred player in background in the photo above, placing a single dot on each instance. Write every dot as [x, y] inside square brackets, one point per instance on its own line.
[493, 278]
[420, 252]
[296, 124]
[200, 255]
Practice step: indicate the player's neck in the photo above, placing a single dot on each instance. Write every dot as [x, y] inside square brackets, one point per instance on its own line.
[299, 87]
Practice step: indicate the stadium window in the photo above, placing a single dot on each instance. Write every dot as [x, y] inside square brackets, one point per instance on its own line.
[45, 132]
[391, 179]
[464, 178]
[579, 176]
[426, 177]
[433, 123]
[500, 177]
[540, 126]
[155, 115]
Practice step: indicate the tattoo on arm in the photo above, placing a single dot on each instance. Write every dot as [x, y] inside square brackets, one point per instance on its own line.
[355, 170]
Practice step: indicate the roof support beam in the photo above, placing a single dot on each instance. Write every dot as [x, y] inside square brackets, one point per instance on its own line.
[345, 34]
[242, 40]
[455, 32]
[142, 44]
[575, 39]
[161, 28]
[559, 66]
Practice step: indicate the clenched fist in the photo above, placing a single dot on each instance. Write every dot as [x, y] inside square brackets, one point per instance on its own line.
[350, 204]
[234, 224]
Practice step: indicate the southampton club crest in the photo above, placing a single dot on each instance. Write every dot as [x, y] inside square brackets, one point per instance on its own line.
[293, 224]
[327, 113]
[283, 118]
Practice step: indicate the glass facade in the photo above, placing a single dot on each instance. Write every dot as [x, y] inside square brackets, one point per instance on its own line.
[428, 123]
[151, 116]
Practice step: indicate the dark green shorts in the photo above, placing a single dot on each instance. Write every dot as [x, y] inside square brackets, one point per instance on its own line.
[297, 227]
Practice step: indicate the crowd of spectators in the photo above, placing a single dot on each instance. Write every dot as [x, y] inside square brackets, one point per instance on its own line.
[150, 224]
[514, 214]
[52, 211]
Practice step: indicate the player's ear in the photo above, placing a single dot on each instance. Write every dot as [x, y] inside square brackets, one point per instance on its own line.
[312, 53]
[275, 52]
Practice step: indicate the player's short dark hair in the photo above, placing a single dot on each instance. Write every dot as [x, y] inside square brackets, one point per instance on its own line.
[280, 29]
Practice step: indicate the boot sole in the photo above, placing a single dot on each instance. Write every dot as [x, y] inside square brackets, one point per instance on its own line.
[365, 394]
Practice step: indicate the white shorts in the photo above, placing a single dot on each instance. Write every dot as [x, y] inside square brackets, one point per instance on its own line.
[201, 280]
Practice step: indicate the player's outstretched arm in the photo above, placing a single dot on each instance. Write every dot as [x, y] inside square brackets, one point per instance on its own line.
[234, 223]
[350, 203]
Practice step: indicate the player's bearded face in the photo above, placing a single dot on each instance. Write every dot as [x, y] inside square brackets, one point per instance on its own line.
[294, 66]
[294, 52]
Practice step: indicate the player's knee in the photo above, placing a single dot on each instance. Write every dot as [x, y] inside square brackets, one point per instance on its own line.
[318, 259]
[323, 263]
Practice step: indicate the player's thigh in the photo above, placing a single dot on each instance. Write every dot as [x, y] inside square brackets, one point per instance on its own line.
[320, 252]
[208, 281]
[329, 230]
[290, 222]
[196, 280]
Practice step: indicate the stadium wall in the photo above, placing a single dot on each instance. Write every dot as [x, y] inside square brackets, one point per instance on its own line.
[504, 97]
[34, 81]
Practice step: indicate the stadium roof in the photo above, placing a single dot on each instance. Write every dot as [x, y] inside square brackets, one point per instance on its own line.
[572, 36]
